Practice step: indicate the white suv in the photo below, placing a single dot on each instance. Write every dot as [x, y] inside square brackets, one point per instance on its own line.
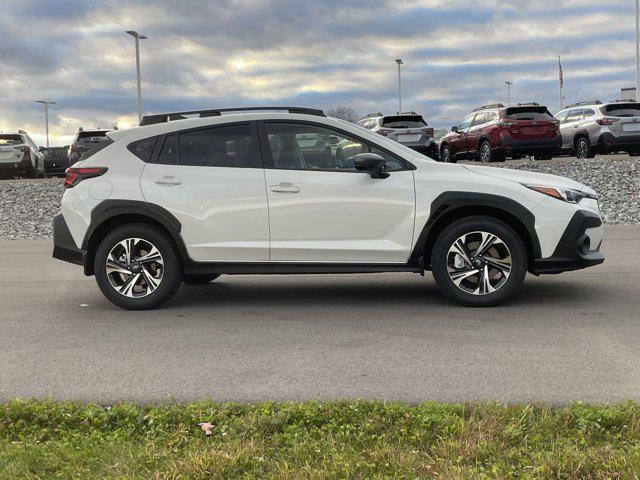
[234, 192]
[20, 155]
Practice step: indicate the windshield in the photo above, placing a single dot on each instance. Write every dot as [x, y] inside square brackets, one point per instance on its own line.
[10, 140]
[404, 121]
[623, 110]
[529, 113]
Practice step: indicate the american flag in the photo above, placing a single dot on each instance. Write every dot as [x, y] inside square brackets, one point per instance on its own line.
[561, 74]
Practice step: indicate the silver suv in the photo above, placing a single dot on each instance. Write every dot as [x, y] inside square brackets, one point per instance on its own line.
[407, 128]
[594, 127]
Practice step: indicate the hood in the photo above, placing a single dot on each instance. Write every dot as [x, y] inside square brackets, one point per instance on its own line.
[521, 176]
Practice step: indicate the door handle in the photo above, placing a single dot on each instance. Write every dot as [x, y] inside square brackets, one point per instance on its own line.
[285, 188]
[168, 180]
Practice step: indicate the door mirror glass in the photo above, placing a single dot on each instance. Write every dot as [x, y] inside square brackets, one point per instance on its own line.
[454, 129]
[371, 163]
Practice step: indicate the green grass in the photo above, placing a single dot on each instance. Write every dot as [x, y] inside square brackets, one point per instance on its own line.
[362, 440]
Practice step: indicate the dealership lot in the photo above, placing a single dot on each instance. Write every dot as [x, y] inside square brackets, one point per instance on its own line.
[391, 336]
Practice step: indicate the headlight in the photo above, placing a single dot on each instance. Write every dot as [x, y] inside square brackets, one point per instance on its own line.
[566, 194]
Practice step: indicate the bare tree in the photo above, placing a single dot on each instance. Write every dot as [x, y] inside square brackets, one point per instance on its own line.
[344, 113]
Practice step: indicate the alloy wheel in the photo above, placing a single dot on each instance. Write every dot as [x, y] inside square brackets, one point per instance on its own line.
[485, 153]
[134, 267]
[479, 263]
[446, 155]
[582, 149]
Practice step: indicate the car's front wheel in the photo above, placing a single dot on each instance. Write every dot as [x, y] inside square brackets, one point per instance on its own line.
[137, 267]
[479, 261]
[446, 155]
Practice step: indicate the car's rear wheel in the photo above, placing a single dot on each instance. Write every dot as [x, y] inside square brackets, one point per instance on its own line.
[583, 148]
[479, 261]
[199, 279]
[137, 267]
[446, 155]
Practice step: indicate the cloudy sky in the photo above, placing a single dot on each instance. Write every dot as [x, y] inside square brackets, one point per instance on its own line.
[317, 53]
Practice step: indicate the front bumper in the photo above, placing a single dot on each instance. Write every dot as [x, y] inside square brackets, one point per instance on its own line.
[607, 142]
[574, 250]
[64, 248]
[509, 145]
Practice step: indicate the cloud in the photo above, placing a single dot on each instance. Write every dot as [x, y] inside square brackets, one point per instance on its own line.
[457, 55]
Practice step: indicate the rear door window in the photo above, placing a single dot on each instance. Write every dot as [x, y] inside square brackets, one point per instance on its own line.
[575, 115]
[224, 146]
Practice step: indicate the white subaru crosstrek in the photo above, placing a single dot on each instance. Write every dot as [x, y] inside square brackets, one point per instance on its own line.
[233, 192]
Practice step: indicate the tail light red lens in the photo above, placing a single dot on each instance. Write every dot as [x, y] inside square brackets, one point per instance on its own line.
[76, 175]
[606, 121]
[428, 131]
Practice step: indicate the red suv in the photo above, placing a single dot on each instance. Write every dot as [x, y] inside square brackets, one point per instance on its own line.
[493, 132]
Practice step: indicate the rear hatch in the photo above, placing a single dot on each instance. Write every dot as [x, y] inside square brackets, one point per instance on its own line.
[623, 118]
[12, 148]
[406, 129]
[530, 123]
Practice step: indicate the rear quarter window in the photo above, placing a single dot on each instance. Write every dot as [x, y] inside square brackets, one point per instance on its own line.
[143, 149]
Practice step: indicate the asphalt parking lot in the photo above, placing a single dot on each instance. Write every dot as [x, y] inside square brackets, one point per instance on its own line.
[388, 336]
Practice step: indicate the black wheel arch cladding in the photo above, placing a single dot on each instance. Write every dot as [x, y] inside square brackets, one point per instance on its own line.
[451, 206]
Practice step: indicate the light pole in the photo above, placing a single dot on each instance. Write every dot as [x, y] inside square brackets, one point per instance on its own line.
[637, 50]
[46, 129]
[137, 38]
[509, 85]
[399, 62]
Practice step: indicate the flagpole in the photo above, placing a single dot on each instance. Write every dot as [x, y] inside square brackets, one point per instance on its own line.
[559, 83]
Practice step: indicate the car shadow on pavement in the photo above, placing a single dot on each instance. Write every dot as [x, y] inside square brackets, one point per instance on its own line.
[371, 292]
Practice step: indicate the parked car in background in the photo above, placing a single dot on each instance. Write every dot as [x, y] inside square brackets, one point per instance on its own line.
[492, 133]
[184, 201]
[407, 128]
[84, 141]
[19, 155]
[56, 159]
[594, 127]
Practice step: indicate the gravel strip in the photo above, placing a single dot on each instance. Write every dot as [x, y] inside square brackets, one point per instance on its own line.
[617, 181]
[27, 207]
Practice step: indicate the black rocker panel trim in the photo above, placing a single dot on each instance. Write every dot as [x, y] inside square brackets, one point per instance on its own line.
[450, 206]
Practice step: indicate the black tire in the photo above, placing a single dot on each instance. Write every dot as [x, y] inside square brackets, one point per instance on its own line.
[516, 157]
[469, 225]
[634, 153]
[199, 279]
[446, 155]
[171, 271]
[583, 149]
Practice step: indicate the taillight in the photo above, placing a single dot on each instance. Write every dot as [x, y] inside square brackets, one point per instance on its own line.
[428, 131]
[384, 131]
[76, 175]
[606, 121]
[507, 124]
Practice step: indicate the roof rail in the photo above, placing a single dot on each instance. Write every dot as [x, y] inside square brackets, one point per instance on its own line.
[409, 113]
[170, 116]
[375, 114]
[487, 107]
[528, 104]
[622, 101]
[586, 102]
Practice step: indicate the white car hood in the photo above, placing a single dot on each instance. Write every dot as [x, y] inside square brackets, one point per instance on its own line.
[521, 176]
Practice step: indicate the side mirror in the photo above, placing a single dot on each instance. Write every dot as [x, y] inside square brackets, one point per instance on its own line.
[454, 129]
[372, 163]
